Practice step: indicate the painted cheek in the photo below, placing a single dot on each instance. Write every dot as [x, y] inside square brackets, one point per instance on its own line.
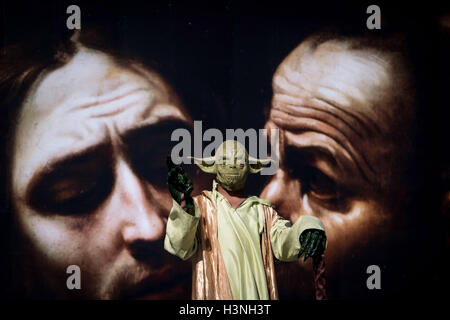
[55, 239]
[359, 226]
[65, 240]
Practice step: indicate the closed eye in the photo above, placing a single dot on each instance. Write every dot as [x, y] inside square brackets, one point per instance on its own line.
[147, 148]
[74, 185]
[321, 186]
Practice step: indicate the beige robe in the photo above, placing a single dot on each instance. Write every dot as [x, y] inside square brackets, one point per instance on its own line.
[210, 280]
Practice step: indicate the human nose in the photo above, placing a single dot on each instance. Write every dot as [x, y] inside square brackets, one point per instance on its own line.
[285, 193]
[140, 207]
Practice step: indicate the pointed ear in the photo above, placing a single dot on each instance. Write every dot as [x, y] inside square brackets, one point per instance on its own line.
[256, 165]
[207, 165]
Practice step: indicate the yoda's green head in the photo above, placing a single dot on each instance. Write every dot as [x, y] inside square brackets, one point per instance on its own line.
[231, 164]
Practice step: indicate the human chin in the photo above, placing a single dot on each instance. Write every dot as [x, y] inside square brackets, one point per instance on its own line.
[141, 281]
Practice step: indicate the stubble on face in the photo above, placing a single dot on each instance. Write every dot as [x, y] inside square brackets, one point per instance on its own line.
[88, 134]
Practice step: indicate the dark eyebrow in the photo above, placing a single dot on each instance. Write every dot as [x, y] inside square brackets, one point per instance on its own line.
[308, 153]
[152, 138]
[341, 168]
[146, 148]
[160, 128]
[323, 152]
[72, 164]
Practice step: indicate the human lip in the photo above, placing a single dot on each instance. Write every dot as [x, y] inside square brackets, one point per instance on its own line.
[160, 285]
[171, 291]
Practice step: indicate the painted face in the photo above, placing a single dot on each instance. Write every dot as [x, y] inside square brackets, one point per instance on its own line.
[232, 165]
[343, 118]
[88, 179]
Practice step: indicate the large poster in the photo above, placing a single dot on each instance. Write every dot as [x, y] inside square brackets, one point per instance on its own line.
[348, 100]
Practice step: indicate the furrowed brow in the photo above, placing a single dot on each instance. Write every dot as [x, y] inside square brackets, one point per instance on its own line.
[71, 164]
[307, 153]
[162, 130]
[152, 141]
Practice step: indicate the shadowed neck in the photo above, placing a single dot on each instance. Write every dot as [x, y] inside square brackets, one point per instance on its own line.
[235, 198]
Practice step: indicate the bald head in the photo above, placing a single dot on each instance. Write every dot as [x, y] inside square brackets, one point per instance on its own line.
[345, 109]
[356, 93]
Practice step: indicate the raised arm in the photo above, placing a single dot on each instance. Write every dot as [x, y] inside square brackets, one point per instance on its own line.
[184, 216]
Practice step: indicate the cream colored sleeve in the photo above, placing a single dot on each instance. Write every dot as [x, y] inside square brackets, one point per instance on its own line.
[285, 237]
[181, 228]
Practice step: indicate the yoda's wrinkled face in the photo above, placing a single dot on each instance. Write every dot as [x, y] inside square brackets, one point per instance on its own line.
[231, 165]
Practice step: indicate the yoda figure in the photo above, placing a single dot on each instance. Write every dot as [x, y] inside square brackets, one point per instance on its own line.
[232, 239]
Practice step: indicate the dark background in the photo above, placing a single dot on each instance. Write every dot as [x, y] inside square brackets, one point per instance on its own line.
[220, 58]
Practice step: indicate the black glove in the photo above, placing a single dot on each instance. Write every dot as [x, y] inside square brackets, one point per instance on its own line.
[312, 242]
[179, 182]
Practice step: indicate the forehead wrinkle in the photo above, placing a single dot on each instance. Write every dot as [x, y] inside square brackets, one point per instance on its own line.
[282, 84]
[327, 149]
[284, 121]
[321, 110]
[86, 132]
[92, 78]
[291, 79]
[334, 71]
[52, 142]
[105, 98]
[45, 129]
[139, 108]
[87, 75]
[121, 104]
[320, 144]
[163, 111]
[356, 79]
[154, 79]
[364, 123]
